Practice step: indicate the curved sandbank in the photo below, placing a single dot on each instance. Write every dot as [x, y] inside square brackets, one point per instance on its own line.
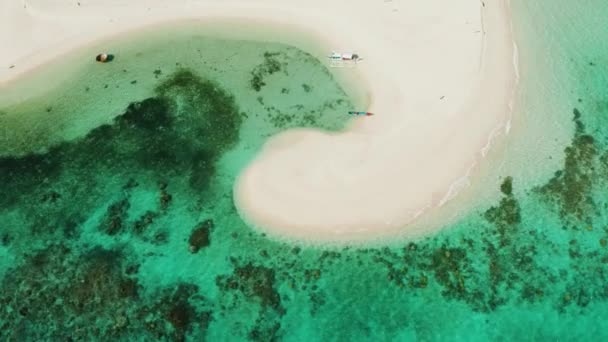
[440, 77]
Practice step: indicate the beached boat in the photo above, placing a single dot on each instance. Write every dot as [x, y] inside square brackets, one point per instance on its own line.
[104, 57]
[343, 60]
[336, 56]
[361, 113]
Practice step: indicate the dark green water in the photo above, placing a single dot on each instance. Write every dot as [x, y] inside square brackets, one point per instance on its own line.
[119, 225]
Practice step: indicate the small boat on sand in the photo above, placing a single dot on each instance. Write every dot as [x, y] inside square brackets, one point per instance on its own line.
[104, 57]
[361, 113]
[343, 60]
[336, 56]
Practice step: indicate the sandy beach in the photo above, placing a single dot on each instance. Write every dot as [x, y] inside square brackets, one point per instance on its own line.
[440, 77]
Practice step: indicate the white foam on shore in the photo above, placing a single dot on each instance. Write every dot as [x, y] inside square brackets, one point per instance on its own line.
[516, 61]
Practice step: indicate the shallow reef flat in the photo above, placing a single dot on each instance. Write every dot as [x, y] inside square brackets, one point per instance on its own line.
[84, 216]
[143, 252]
[126, 230]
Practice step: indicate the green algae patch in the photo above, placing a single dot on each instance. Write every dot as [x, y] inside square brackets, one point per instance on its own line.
[273, 63]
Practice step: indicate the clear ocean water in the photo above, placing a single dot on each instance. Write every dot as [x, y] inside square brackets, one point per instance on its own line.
[117, 222]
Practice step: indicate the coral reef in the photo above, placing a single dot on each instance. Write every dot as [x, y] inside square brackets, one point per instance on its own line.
[92, 296]
[570, 188]
[269, 66]
[130, 233]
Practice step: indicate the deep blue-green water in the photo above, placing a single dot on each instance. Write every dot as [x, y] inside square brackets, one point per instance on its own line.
[117, 222]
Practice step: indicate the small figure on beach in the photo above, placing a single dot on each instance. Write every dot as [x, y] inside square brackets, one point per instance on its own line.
[104, 57]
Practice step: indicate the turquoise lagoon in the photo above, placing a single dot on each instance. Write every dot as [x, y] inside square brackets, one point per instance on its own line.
[117, 222]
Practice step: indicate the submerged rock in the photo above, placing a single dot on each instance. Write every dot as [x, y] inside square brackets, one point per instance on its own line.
[199, 238]
[113, 222]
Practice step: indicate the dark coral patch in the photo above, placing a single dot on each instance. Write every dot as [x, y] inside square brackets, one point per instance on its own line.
[144, 221]
[151, 114]
[507, 215]
[269, 66]
[254, 282]
[21, 175]
[182, 130]
[499, 263]
[507, 186]
[448, 266]
[183, 309]
[570, 187]
[199, 238]
[115, 218]
[96, 286]
[91, 287]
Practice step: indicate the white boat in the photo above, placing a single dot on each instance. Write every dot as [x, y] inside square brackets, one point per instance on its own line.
[337, 56]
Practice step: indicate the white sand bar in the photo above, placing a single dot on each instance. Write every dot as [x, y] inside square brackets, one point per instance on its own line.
[440, 75]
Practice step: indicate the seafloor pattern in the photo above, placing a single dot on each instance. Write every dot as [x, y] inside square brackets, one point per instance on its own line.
[86, 220]
[129, 233]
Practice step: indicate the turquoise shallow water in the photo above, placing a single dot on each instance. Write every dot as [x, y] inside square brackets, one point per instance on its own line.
[117, 222]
